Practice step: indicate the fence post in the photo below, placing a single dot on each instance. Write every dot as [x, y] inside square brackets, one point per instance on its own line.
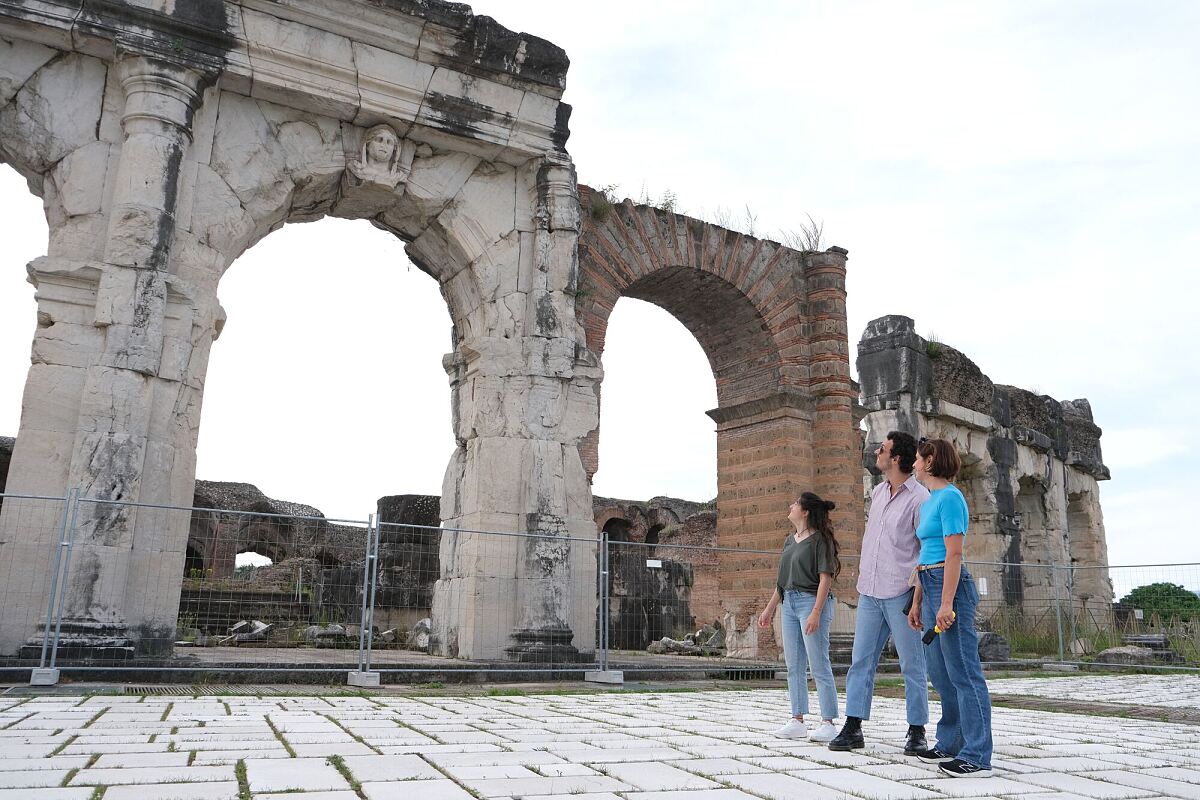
[1058, 612]
[43, 675]
[66, 573]
[362, 677]
[374, 579]
[604, 674]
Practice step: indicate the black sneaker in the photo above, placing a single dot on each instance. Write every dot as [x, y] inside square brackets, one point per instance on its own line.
[849, 739]
[934, 756]
[957, 768]
[915, 743]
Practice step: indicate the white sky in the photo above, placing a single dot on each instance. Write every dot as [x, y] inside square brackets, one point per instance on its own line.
[1021, 178]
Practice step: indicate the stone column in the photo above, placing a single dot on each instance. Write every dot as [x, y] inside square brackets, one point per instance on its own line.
[837, 470]
[135, 414]
[521, 408]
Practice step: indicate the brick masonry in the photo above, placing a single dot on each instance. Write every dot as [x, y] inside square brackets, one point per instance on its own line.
[772, 321]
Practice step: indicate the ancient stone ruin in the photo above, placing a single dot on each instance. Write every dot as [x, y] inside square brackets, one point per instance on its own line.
[166, 139]
[1030, 463]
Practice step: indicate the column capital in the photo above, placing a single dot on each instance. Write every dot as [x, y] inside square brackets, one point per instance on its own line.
[160, 96]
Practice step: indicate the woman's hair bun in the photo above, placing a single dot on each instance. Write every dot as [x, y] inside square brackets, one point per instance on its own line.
[830, 505]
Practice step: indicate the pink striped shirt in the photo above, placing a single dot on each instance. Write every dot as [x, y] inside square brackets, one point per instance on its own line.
[890, 546]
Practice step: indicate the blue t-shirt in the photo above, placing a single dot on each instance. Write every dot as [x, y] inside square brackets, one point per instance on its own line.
[943, 514]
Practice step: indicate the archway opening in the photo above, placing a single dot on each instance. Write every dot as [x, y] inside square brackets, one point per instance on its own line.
[330, 364]
[655, 438]
[25, 238]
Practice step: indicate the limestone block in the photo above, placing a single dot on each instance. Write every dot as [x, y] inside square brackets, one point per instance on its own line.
[176, 356]
[451, 504]
[545, 407]
[18, 61]
[582, 415]
[54, 113]
[248, 157]
[495, 474]
[526, 266]
[115, 401]
[578, 490]
[550, 357]
[68, 344]
[41, 457]
[51, 404]
[108, 466]
[218, 218]
[300, 66]
[551, 315]
[536, 129]
[496, 270]
[463, 296]
[392, 86]
[556, 259]
[436, 179]
[112, 108]
[542, 477]
[166, 529]
[473, 616]
[470, 106]
[504, 318]
[198, 264]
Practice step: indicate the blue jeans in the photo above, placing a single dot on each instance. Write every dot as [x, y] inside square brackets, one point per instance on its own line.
[876, 618]
[965, 729]
[799, 648]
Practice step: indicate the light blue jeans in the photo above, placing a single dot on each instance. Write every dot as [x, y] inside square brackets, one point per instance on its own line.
[876, 618]
[965, 729]
[800, 648]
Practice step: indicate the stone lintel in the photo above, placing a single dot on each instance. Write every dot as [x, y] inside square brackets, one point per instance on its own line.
[965, 416]
[782, 404]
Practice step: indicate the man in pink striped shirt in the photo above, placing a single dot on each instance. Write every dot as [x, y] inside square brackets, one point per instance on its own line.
[889, 554]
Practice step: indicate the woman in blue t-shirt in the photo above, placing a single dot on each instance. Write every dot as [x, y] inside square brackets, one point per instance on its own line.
[950, 600]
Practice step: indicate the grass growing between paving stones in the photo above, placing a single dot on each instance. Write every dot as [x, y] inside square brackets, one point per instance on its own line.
[279, 736]
[64, 745]
[98, 793]
[337, 763]
[353, 735]
[95, 717]
[239, 772]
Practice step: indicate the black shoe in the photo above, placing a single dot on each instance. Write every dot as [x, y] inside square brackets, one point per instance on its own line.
[957, 768]
[933, 756]
[849, 739]
[915, 742]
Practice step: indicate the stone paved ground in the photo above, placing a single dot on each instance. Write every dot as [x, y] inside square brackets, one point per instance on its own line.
[713, 745]
[1171, 691]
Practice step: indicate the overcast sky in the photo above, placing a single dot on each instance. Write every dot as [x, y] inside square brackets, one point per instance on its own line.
[1021, 178]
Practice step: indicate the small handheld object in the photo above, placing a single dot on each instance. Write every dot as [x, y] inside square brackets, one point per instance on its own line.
[928, 637]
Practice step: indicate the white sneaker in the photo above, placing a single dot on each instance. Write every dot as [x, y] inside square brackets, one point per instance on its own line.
[825, 732]
[795, 729]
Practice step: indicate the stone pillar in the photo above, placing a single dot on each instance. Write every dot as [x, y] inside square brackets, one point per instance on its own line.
[521, 408]
[836, 457]
[763, 463]
[119, 370]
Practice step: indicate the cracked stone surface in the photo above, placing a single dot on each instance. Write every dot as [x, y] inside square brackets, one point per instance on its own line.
[711, 745]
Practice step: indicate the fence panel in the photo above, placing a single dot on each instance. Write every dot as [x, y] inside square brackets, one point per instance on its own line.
[517, 602]
[96, 583]
[32, 533]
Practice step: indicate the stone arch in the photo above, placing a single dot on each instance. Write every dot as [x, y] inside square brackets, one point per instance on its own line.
[772, 322]
[174, 139]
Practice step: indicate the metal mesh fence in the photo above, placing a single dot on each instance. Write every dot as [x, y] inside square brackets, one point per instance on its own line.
[91, 584]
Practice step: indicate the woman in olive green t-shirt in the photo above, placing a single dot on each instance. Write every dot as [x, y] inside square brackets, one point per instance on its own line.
[807, 567]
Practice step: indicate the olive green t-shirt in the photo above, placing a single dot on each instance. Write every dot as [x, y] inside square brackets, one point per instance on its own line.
[801, 564]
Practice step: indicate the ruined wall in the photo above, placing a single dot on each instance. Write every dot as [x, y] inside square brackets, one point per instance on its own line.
[664, 578]
[1030, 463]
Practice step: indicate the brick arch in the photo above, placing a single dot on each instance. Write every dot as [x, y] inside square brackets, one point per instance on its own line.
[772, 322]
